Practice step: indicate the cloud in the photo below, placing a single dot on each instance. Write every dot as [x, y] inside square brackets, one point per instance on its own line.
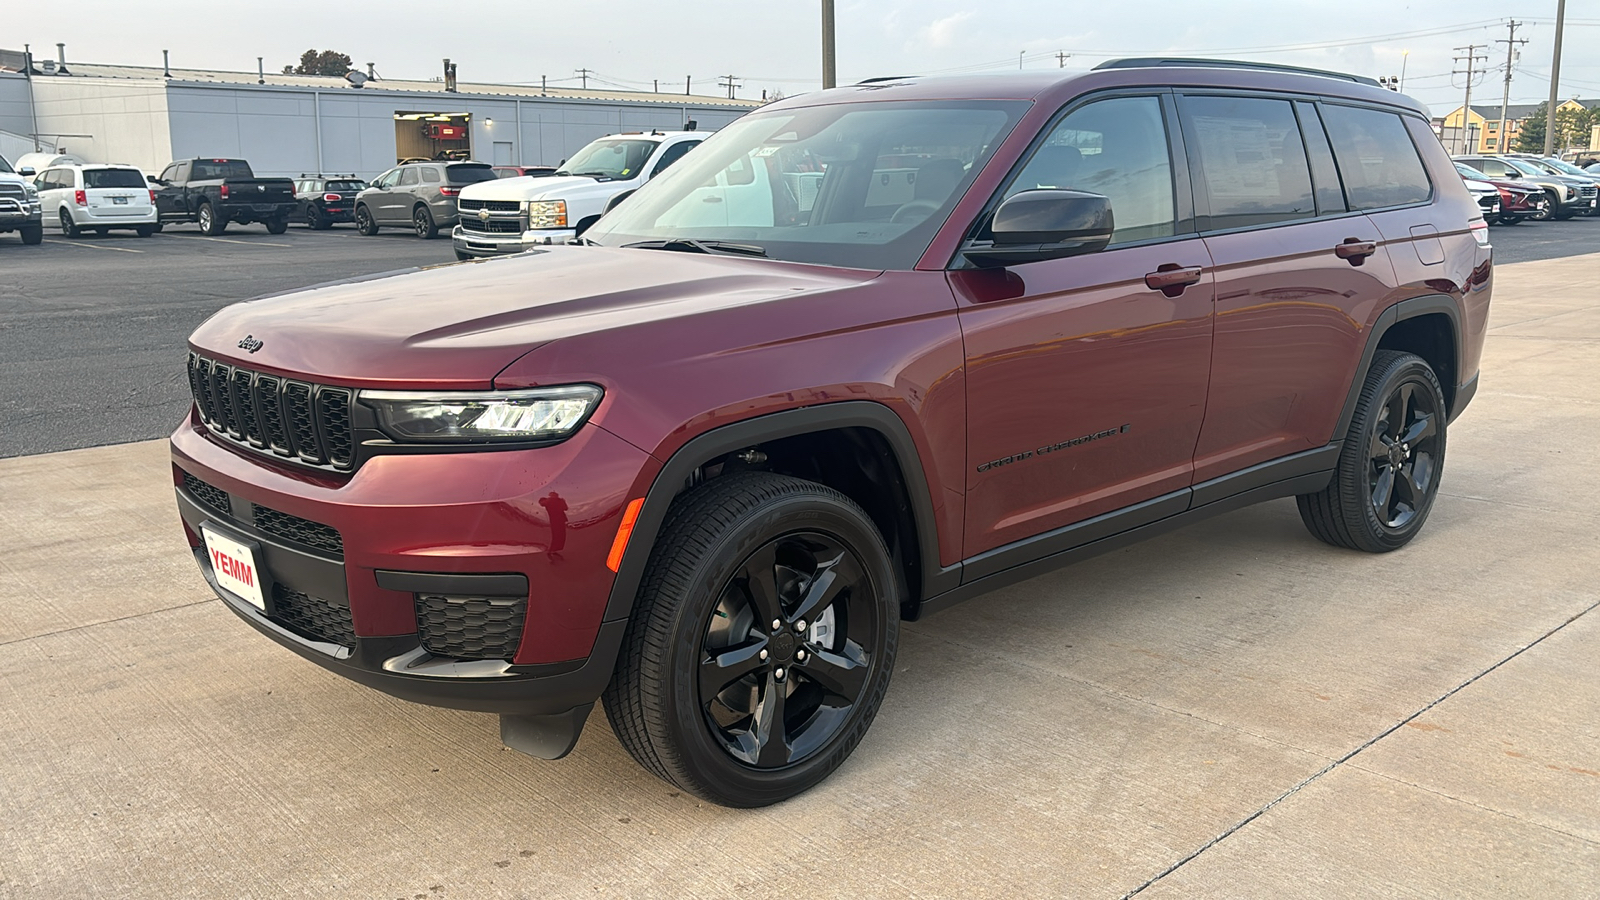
[942, 33]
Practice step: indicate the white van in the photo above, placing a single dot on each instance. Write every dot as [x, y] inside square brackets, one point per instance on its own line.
[97, 197]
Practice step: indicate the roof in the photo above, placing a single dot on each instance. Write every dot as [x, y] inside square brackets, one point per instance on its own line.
[83, 71]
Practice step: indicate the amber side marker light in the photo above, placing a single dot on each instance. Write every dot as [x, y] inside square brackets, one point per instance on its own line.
[624, 531]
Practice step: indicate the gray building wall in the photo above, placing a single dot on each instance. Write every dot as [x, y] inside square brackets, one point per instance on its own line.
[279, 129]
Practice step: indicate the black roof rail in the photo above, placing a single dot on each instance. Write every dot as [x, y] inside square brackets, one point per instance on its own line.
[1146, 62]
[882, 78]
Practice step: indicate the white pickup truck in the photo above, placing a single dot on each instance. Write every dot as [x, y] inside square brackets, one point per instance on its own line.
[509, 215]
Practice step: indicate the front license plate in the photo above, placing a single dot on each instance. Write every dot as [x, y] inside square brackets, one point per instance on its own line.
[120, 201]
[235, 566]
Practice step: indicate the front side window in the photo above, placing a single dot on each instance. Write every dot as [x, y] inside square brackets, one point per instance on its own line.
[1253, 168]
[851, 184]
[1377, 160]
[672, 155]
[1117, 148]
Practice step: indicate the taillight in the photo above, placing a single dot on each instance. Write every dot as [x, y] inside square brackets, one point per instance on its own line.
[332, 197]
[152, 198]
[449, 191]
[224, 192]
[80, 198]
[1480, 231]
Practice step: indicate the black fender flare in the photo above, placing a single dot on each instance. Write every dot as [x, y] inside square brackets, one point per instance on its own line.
[670, 481]
[1399, 312]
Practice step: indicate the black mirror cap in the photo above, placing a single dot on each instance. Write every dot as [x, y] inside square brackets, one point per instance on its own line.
[616, 199]
[1046, 224]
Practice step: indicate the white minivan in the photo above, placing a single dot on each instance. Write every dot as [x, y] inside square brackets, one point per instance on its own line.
[97, 197]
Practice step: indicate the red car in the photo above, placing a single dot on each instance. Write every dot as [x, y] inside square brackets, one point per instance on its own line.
[864, 354]
[1516, 201]
[519, 171]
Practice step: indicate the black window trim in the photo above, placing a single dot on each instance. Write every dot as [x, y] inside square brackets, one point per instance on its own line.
[1202, 200]
[1433, 189]
[1182, 188]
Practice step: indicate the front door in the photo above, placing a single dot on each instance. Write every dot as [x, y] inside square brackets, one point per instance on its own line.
[1086, 383]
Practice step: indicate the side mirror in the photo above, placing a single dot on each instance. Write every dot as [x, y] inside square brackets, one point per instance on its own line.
[1045, 224]
[27, 172]
[1510, 173]
[153, 179]
[612, 203]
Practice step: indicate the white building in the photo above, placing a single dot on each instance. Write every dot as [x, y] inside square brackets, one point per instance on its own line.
[294, 124]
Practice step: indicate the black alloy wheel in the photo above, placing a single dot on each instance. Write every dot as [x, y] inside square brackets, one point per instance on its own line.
[422, 222]
[364, 222]
[68, 227]
[1393, 456]
[314, 219]
[762, 641]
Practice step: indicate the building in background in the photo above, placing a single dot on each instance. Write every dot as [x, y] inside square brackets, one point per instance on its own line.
[1483, 126]
[293, 124]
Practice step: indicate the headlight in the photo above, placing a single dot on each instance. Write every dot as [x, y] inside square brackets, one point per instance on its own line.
[547, 214]
[31, 189]
[538, 414]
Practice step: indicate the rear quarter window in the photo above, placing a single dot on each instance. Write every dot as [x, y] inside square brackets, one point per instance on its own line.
[1377, 160]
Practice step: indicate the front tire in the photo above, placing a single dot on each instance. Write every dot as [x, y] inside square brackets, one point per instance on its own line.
[365, 224]
[761, 643]
[32, 234]
[1388, 472]
[422, 222]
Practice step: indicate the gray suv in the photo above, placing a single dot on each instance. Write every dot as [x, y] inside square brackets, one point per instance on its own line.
[422, 195]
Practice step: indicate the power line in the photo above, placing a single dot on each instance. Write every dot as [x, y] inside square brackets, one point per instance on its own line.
[1512, 42]
[1471, 57]
[731, 82]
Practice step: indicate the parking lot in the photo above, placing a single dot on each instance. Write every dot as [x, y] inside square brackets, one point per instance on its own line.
[1228, 711]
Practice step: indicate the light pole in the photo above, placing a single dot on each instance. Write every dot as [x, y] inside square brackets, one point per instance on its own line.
[1555, 80]
[1019, 58]
[829, 75]
[1405, 57]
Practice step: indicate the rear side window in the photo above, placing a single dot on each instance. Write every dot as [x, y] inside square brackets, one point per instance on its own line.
[112, 178]
[468, 174]
[1252, 161]
[1377, 159]
[430, 175]
[1117, 148]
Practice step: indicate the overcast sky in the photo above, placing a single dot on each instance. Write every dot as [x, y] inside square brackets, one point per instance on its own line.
[776, 45]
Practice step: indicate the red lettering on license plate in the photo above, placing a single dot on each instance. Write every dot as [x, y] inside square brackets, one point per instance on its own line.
[233, 568]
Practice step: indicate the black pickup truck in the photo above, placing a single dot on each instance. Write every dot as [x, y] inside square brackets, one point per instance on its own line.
[214, 192]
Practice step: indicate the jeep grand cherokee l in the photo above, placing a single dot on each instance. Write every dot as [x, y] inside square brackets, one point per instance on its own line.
[864, 354]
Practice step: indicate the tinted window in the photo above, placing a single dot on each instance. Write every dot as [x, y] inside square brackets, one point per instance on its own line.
[672, 155]
[1253, 165]
[170, 173]
[1324, 173]
[430, 174]
[348, 187]
[112, 178]
[1377, 160]
[408, 175]
[217, 169]
[468, 174]
[1117, 148]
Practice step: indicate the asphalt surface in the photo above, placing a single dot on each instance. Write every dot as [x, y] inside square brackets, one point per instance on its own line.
[1232, 710]
[92, 329]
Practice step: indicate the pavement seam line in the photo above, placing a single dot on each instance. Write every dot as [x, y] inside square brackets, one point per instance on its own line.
[148, 612]
[1465, 802]
[1351, 755]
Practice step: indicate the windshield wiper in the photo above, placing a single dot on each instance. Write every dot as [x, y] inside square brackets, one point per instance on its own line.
[690, 245]
[603, 176]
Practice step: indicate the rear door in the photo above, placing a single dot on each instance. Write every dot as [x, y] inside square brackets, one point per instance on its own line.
[1298, 276]
[116, 193]
[1086, 380]
[170, 201]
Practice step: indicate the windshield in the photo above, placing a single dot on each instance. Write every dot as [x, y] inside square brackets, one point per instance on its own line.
[862, 185]
[1563, 166]
[610, 158]
[112, 178]
[1524, 167]
[5, 166]
[1467, 171]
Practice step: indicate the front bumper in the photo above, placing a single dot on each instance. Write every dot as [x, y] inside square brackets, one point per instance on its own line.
[477, 243]
[17, 214]
[444, 522]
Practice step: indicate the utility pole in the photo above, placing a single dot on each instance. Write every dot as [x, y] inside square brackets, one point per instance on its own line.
[1471, 56]
[583, 75]
[730, 82]
[1555, 81]
[686, 81]
[1061, 59]
[1020, 55]
[1511, 42]
[829, 60]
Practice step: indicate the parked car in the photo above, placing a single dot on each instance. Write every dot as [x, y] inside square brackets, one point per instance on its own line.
[1561, 167]
[422, 195]
[1517, 201]
[786, 396]
[214, 192]
[1565, 196]
[19, 204]
[98, 198]
[1592, 168]
[511, 216]
[322, 201]
[520, 171]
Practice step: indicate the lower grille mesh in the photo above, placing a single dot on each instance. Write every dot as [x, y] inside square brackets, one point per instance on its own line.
[311, 617]
[471, 627]
[301, 531]
[213, 498]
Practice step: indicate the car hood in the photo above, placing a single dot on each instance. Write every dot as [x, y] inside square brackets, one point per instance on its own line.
[550, 187]
[457, 325]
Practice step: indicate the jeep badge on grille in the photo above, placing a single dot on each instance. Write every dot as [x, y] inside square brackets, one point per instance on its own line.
[250, 343]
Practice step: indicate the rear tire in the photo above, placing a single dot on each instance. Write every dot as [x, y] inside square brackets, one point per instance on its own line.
[209, 223]
[32, 234]
[365, 225]
[723, 687]
[68, 227]
[277, 226]
[1389, 469]
[144, 231]
[422, 222]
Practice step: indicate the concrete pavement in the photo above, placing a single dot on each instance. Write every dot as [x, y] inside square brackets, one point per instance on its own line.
[1233, 710]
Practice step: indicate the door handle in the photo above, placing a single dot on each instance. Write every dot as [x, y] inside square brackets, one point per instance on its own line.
[1171, 278]
[1355, 250]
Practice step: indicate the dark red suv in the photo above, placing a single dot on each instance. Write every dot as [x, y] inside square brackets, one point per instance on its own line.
[864, 354]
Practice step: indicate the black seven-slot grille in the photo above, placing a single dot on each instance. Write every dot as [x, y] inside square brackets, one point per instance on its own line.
[471, 627]
[295, 420]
